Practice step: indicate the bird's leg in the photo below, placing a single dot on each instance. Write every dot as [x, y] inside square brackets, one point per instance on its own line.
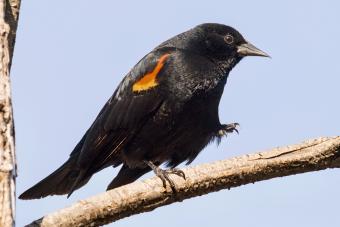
[164, 174]
[227, 128]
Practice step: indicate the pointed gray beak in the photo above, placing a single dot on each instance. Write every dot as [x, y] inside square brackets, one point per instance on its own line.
[248, 49]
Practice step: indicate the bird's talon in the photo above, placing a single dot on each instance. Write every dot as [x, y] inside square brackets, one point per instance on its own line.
[164, 174]
[177, 172]
[228, 128]
[159, 173]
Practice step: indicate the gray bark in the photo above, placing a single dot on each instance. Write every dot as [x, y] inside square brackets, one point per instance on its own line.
[9, 11]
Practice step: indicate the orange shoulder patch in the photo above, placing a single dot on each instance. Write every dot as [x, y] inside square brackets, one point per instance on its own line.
[149, 80]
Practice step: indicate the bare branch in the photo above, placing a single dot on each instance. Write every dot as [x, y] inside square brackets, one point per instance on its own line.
[9, 12]
[138, 197]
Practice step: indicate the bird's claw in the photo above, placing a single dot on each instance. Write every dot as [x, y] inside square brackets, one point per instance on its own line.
[177, 172]
[164, 175]
[228, 128]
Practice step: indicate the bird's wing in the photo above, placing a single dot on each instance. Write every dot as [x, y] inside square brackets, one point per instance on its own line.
[135, 100]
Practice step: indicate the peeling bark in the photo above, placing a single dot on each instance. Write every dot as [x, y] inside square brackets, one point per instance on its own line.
[138, 197]
[9, 11]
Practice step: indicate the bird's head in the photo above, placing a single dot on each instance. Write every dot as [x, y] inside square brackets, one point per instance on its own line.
[216, 41]
[219, 40]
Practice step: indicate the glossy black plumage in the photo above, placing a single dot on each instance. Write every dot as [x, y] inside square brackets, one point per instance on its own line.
[165, 110]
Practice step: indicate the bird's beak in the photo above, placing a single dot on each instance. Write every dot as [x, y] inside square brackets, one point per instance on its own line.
[248, 49]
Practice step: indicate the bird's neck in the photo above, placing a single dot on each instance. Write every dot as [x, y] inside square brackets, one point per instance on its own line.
[225, 66]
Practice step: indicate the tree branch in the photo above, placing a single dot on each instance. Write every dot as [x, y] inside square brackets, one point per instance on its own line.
[138, 197]
[9, 12]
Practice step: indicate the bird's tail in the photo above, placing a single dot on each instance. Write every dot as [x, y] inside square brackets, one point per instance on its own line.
[60, 182]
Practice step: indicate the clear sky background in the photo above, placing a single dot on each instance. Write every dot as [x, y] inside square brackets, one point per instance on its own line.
[70, 56]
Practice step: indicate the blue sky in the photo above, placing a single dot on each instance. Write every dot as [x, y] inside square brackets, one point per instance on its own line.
[70, 56]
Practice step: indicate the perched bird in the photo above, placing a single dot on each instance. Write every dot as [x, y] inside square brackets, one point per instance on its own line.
[165, 110]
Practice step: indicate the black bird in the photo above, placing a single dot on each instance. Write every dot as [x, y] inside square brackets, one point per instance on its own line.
[165, 110]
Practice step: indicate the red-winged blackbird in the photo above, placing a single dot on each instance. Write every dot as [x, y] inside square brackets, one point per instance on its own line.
[165, 110]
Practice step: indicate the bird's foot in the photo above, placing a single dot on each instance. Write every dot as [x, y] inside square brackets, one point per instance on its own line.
[227, 128]
[164, 174]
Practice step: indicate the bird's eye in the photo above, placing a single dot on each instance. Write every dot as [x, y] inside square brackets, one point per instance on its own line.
[229, 39]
